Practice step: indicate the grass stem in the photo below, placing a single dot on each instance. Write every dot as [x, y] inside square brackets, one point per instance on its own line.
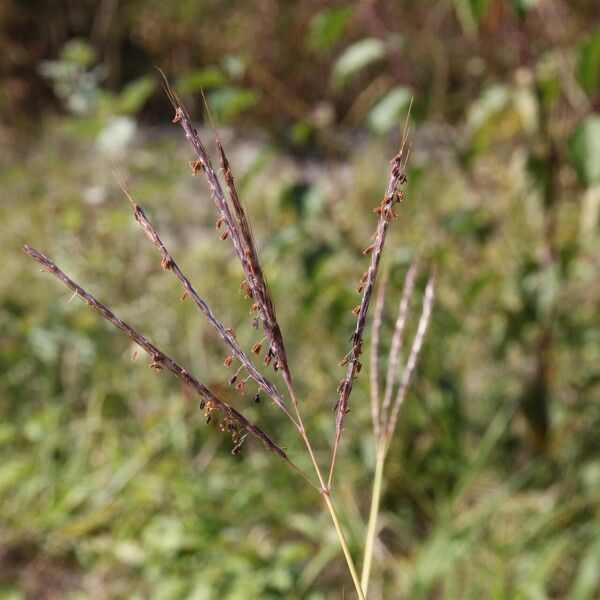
[373, 515]
[344, 545]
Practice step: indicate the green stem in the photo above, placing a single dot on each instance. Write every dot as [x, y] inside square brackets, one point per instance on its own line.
[325, 492]
[373, 515]
[344, 545]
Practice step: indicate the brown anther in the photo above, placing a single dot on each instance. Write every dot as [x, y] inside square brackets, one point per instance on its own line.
[134, 356]
[177, 116]
[224, 235]
[202, 404]
[228, 361]
[240, 387]
[341, 387]
[183, 296]
[166, 263]
[344, 361]
[196, 165]
[232, 380]
[219, 223]
[402, 179]
[254, 323]
[358, 366]
[245, 288]
[356, 310]
[256, 348]
[254, 308]
[360, 288]
[257, 398]
[231, 332]
[368, 249]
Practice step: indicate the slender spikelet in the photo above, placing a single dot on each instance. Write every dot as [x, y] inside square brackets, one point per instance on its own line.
[224, 333]
[399, 329]
[160, 359]
[374, 375]
[256, 280]
[386, 213]
[413, 357]
[238, 228]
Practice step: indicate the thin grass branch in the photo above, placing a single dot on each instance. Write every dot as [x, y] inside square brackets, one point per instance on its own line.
[413, 357]
[159, 359]
[238, 229]
[386, 212]
[374, 374]
[399, 329]
[168, 263]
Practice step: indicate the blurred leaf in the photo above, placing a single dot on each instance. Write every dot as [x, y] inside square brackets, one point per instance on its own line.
[135, 94]
[296, 196]
[301, 132]
[586, 584]
[210, 77]
[470, 13]
[522, 7]
[79, 52]
[584, 150]
[386, 113]
[226, 103]
[588, 62]
[327, 27]
[355, 58]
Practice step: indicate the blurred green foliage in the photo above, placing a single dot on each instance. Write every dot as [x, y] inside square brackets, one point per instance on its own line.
[110, 483]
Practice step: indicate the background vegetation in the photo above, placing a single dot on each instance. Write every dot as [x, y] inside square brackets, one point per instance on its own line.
[111, 485]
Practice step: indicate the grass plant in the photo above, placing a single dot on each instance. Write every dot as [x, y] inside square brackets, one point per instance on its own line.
[232, 224]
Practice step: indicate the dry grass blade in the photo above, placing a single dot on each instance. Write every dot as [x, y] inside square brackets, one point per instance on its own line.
[386, 213]
[159, 359]
[399, 329]
[169, 263]
[413, 357]
[375, 335]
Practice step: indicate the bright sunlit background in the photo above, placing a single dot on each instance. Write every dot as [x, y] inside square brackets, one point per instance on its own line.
[111, 486]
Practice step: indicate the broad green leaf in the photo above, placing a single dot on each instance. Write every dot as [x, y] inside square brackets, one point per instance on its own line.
[226, 103]
[210, 77]
[588, 62]
[355, 58]
[386, 113]
[327, 27]
[135, 94]
[584, 150]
